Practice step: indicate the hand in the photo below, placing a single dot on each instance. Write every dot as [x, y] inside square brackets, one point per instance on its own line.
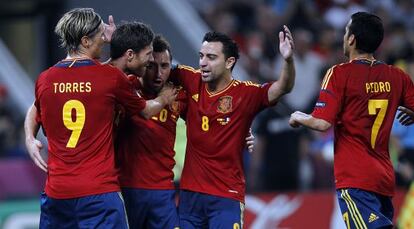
[406, 116]
[295, 117]
[109, 29]
[34, 146]
[286, 44]
[168, 93]
[250, 141]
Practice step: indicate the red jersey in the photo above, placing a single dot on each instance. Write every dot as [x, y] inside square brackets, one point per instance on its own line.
[217, 125]
[75, 101]
[360, 99]
[146, 147]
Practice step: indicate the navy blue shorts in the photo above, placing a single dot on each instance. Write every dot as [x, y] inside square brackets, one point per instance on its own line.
[148, 208]
[199, 210]
[95, 211]
[363, 209]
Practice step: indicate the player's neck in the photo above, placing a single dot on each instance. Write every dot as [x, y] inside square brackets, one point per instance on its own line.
[356, 55]
[78, 55]
[119, 63]
[219, 84]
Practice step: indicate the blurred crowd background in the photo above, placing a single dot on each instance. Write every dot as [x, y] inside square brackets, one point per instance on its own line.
[284, 159]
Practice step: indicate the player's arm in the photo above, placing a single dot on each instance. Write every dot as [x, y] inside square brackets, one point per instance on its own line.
[298, 119]
[166, 96]
[406, 116]
[287, 76]
[127, 95]
[326, 108]
[33, 146]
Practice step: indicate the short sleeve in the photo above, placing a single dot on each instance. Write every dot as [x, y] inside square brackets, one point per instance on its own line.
[330, 96]
[185, 76]
[38, 118]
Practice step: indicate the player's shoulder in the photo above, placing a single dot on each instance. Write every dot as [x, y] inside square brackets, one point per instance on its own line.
[396, 70]
[110, 69]
[337, 68]
[185, 68]
[246, 84]
[49, 72]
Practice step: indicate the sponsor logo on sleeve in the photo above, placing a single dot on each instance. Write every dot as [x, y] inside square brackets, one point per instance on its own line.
[320, 104]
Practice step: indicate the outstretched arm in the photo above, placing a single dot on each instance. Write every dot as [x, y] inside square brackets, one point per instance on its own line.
[298, 119]
[33, 146]
[287, 76]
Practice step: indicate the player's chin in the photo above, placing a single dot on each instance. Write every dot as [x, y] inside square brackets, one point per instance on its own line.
[206, 79]
[157, 87]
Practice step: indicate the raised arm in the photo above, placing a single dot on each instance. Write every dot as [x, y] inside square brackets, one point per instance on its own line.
[298, 119]
[33, 146]
[287, 76]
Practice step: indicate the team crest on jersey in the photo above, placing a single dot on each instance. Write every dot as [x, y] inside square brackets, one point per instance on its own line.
[175, 107]
[225, 104]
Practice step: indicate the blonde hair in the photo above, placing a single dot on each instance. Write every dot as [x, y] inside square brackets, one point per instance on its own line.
[74, 25]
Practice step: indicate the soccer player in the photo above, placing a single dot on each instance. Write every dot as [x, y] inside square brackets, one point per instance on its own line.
[145, 150]
[219, 114]
[359, 99]
[75, 101]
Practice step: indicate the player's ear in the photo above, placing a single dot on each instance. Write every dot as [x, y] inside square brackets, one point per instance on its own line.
[85, 42]
[351, 40]
[130, 54]
[230, 62]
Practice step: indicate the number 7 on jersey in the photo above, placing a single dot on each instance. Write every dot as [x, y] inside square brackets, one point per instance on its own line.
[373, 105]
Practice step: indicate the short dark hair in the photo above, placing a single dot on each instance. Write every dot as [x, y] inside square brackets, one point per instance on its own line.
[160, 44]
[368, 31]
[130, 35]
[230, 47]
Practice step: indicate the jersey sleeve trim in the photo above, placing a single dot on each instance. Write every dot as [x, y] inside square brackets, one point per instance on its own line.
[327, 78]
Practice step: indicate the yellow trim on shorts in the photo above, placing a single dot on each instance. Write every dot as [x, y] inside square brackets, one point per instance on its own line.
[356, 215]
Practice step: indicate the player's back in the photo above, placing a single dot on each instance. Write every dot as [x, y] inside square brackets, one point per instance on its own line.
[76, 102]
[370, 93]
